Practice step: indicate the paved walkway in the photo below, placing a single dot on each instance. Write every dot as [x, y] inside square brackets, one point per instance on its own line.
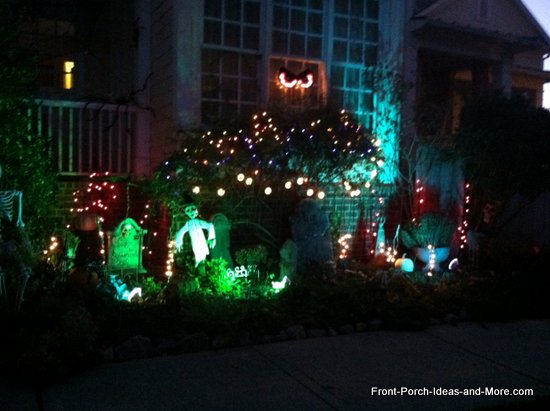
[330, 373]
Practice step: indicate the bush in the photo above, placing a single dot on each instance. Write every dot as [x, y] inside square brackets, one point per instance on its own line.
[431, 229]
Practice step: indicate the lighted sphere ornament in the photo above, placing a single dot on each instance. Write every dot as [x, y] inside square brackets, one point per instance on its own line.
[404, 264]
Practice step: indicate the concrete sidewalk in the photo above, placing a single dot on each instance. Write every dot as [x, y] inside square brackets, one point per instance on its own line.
[330, 373]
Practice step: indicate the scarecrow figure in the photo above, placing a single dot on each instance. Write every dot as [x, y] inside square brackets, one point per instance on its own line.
[195, 226]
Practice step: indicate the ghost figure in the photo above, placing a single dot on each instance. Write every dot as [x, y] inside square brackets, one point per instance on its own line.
[195, 227]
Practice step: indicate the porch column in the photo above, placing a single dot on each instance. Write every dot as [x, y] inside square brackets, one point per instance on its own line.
[188, 31]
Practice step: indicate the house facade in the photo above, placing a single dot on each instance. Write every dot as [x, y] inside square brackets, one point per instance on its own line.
[188, 64]
[123, 81]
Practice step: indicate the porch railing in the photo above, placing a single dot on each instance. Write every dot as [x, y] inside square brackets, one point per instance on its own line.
[95, 137]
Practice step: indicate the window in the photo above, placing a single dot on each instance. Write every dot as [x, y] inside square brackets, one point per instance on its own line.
[232, 24]
[298, 29]
[297, 97]
[68, 67]
[229, 84]
[354, 56]
[230, 58]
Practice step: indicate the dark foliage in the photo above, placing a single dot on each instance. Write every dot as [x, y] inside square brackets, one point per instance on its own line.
[505, 143]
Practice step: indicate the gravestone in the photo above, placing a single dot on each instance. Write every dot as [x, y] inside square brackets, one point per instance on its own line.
[311, 232]
[125, 248]
[222, 228]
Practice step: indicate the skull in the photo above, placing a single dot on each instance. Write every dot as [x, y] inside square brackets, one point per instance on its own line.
[191, 211]
[126, 230]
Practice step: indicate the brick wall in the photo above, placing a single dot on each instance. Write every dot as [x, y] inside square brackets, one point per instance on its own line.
[255, 217]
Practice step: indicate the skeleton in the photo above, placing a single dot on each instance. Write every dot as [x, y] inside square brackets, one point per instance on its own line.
[9, 249]
[195, 226]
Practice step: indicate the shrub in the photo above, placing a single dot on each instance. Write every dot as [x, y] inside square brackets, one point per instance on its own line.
[431, 229]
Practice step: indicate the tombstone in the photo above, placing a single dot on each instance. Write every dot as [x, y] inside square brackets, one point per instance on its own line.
[289, 260]
[311, 232]
[125, 248]
[222, 228]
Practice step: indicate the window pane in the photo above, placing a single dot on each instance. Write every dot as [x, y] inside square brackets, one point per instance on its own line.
[279, 42]
[315, 24]
[357, 8]
[341, 27]
[298, 20]
[352, 78]
[210, 111]
[229, 110]
[370, 55]
[372, 32]
[337, 97]
[294, 66]
[314, 47]
[210, 88]
[368, 103]
[316, 4]
[299, 3]
[372, 9]
[251, 38]
[229, 89]
[213, 8]
[233, 9]
[212, 32]
[210, 61]
[252, 12]
[337, 76]
[340, 51]
[232, 35]
[356, 29]
[280, 17]
[352, 101]
[297, 44]
[275, 65]
[249, 66]
[341, 6]
[249, 90]
[230, 63]
[356, 53]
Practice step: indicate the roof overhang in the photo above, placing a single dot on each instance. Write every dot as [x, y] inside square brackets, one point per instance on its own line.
[432, 28]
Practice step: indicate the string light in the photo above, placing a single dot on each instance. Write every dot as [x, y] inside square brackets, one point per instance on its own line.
[431, 261]
[170, 260]
[267, 146]
[344, 246]
[463, 227]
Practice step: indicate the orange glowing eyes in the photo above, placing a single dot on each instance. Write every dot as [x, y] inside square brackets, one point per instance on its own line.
[290, 80]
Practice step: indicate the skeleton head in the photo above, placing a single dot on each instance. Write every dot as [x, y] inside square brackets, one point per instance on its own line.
[126, 230]
[191, 211]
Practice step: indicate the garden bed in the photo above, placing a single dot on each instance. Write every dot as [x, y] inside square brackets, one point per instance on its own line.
[61, 330]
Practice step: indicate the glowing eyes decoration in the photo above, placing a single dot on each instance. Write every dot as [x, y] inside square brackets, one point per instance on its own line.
[290, 80]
